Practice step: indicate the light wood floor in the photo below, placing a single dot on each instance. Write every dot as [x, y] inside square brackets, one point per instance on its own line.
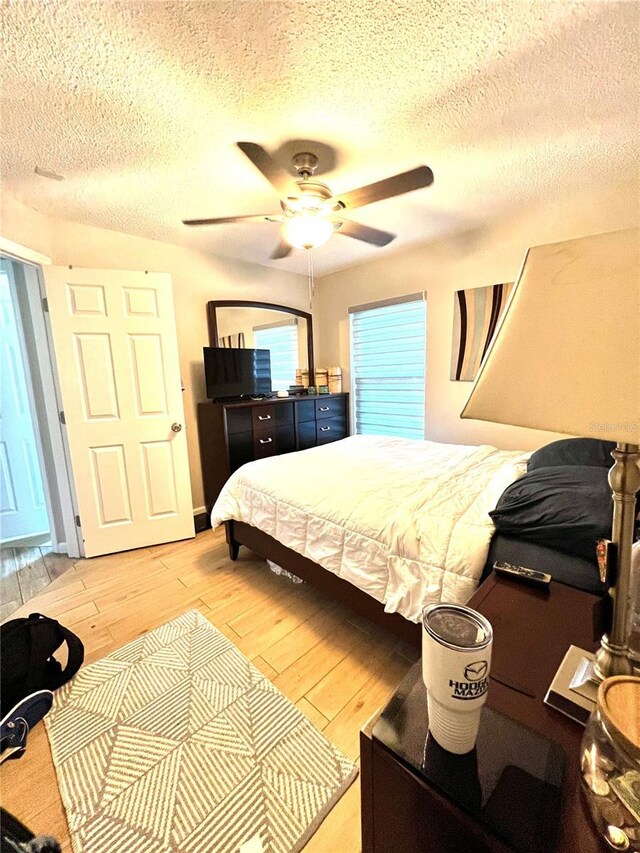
[336, 667]
[25, 571]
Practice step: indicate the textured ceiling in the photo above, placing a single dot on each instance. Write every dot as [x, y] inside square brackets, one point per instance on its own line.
[138, 105]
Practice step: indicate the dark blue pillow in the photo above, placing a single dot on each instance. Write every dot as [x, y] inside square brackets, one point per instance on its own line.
[573, 451]
[566, 507]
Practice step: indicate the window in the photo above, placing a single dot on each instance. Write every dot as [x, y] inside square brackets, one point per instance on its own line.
[388, 352]
[282, 340]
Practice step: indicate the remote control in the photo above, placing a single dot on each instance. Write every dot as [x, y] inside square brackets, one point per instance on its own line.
[522, 573]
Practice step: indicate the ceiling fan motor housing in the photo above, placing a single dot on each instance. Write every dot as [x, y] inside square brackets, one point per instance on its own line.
[313, 198]
[305, 164]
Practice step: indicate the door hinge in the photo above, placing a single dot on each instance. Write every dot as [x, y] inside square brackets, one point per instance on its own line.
[63, 420]
[45, 305]
[78, 524]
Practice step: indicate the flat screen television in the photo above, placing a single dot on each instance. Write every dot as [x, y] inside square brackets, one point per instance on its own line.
[236, 372]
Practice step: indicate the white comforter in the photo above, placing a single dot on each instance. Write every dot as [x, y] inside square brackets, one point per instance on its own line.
[404, 520]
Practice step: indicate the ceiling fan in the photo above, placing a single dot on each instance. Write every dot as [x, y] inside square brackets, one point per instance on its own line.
[310, 211]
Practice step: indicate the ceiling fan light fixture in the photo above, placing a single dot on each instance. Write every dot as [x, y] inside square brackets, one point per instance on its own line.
[307, 231]
[310, 210]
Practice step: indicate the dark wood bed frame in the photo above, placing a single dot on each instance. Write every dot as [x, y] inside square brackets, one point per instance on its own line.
[239, 533]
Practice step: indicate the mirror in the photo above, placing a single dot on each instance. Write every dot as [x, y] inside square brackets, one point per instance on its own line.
[286, 332]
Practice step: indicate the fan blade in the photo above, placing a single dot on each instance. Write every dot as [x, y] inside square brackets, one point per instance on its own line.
[258, 217]
[365, 233]
[265, 163]
[281, 250]
[397, 185]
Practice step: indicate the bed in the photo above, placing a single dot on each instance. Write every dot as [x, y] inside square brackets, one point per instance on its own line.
[420, 518]
[402, 522]
[387, 525]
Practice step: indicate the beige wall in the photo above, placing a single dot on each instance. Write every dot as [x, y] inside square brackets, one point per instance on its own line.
[484, 255]
[196, 280]
[478, 256]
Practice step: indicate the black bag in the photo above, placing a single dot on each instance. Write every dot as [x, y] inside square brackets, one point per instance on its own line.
[29, 673]
[14, 836]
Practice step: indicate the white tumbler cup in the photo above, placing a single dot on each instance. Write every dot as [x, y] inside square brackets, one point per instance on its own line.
[456, 657]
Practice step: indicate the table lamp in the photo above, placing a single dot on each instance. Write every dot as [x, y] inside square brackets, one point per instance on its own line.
[566, 358]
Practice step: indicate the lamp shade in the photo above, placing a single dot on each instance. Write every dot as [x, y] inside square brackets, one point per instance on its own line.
[566, 357]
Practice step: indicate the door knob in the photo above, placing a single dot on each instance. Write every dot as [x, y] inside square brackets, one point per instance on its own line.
[176, 427]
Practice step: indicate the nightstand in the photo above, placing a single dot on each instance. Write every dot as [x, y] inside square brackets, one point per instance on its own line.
[404, 809]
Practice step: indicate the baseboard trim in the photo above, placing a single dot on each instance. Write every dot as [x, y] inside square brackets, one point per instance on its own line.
[202, 521]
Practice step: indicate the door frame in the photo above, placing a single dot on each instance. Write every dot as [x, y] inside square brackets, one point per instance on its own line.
[53, 450]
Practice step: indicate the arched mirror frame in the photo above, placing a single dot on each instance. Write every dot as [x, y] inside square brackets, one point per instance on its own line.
[212, 322]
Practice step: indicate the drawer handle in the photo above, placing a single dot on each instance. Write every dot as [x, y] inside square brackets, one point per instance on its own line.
[324, 429]
[266, 440]
[264, 417]
[324, 408]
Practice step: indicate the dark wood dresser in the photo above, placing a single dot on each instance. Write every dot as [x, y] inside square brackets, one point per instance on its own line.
[238, 432]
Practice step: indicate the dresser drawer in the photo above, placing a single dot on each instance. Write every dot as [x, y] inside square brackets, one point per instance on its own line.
[329, 408]
[263, 417]
[331, 429]
[264, 443]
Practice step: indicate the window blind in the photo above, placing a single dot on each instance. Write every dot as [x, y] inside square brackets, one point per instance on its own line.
[282, 341]
[388, 349]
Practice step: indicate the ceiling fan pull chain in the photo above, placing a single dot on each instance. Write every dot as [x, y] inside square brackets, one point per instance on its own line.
[312, 288]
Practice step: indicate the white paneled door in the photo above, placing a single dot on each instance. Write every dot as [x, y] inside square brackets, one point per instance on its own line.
[117, 355]
[23, 511]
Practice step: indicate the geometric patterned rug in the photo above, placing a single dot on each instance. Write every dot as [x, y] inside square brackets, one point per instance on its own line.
[176, 743]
